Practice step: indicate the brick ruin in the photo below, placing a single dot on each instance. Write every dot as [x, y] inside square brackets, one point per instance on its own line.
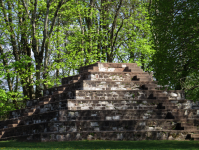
[106, 101]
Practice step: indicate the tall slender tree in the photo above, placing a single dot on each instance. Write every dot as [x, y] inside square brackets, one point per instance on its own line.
[175, 33]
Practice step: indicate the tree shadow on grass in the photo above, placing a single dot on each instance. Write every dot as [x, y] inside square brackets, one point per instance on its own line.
[161, 144]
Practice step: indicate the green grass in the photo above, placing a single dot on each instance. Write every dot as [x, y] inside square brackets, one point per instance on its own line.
[101, 145]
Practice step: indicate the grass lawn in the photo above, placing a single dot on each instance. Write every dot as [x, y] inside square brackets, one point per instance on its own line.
[100, 145]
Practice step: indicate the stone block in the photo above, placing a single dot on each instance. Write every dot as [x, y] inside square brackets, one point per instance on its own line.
[110, 101]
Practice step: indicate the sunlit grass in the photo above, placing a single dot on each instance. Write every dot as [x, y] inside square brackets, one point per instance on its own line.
[100, 145]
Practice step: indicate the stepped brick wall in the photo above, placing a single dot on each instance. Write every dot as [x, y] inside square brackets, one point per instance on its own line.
[106, 101]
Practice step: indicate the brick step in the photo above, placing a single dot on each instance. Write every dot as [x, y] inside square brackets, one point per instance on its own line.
[100, 135]
[189, 128]
[144, 74]
[126, 94]
[141, 77]
[43, 103]
[28, 114]
[180, 117]
[105, 76]
[158, 116]
[107, 67]
[111, 117]
[120, 104]
[167, 104]
[119, 101]
[135, 69]
[196, 139]
[159, 95]
[47, 99]
[104, 73]
[195, 136]
[12, 125]
[111, 108]
[195, 116]
[113, 104]
[132, 112]
[122, 100]
[133, 66]
[116, 71]
[96, 69]
[94, 101]
[116, 121]
[112, 65]
[1, 134]
[107, 118]
[128, 106]
[76, 78]
[158, 111]
[118, 117]
[177, 101]
[138, 116]
[61, 88]
[16, 121]
[187, 124]
[73, 81]
[51, 91]
[112, 85]
[145, 79]
[162, 98]
[154, 101]
[171, 107]
[179, 112]
[57, 92]
[57, 102]
[33, 102]
[32, 110]
[150, 86]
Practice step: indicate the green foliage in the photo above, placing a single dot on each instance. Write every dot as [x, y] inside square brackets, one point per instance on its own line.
[5, 101]
[191, 86]
[91, 35]
[7, 97]
[175, 34]
[139, 49]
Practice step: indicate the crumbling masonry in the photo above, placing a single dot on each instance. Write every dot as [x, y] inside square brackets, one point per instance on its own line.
[106, 101]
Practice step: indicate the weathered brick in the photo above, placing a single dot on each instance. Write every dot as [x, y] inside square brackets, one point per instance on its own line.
[119, 98]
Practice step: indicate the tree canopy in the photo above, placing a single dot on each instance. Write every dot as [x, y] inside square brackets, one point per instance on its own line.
[175, 28]
[44, 41]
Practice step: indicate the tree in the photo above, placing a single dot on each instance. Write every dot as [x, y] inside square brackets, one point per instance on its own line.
[175, 33]
[138, 30]
[42, 28]
[22, 24]
[116, 25]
